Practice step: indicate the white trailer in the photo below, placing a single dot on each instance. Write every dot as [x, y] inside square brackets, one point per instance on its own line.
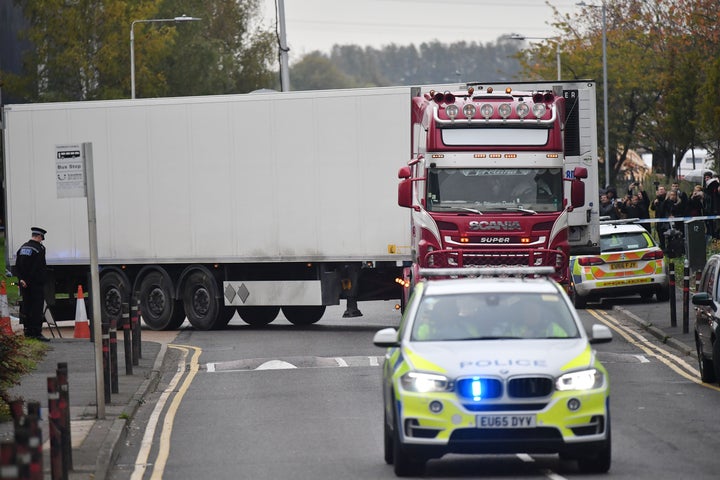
[208, 205]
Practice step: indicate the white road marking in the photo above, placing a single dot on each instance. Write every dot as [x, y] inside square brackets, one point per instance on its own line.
[341, 362]
[642, 358]
[275, 365]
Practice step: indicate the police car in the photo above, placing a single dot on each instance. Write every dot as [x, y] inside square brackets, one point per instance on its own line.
[629, 263]
[493, 364]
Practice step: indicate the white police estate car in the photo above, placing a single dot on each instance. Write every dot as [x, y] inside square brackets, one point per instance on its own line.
[629, 263]
[493, 365]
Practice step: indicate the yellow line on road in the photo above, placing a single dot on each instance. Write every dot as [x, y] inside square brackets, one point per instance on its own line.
[679, 366]
[141, 463]
[166, 432]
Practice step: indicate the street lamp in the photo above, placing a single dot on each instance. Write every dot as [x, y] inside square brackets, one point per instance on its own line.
[181, 19]
[517, 36]
[605, 95]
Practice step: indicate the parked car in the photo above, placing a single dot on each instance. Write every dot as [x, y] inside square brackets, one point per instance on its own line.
[493, 365]
[630, 263]
[707, 321]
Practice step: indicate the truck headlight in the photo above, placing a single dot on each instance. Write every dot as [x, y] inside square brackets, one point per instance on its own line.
[582, 380]
[424, 382]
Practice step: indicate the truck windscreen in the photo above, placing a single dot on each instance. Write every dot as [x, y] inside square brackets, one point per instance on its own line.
[488, 189]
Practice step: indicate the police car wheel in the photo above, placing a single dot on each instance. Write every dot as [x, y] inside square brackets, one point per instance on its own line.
[705, 365]
[387, 441]
[663, 295]
[578, 300]
[405, 465]
[600, 461]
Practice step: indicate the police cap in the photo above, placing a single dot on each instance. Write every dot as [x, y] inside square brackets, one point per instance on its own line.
[38, 231]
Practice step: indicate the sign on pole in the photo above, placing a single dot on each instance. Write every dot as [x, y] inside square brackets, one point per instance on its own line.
[70, 171]
[74, 178]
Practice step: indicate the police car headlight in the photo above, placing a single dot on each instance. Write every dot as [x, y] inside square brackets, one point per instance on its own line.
[583, 380]
[424, 382]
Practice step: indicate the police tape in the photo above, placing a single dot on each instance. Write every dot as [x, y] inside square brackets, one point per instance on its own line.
[658, 220]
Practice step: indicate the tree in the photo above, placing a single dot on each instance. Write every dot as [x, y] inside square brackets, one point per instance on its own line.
[81, 49]
[315, 71]
[222, 53]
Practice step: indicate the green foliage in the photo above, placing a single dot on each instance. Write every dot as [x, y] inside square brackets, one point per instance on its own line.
[10, 282]
[81, 49]
[18, 356]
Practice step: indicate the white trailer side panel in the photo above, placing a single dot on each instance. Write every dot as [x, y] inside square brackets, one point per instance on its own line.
[301, 176]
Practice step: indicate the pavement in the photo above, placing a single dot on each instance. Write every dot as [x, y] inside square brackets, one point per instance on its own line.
[96, 441]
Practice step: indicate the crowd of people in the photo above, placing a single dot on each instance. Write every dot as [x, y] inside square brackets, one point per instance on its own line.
[703, 200]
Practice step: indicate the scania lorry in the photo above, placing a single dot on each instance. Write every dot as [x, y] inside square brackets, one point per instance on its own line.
[205, 206]
[501, 175]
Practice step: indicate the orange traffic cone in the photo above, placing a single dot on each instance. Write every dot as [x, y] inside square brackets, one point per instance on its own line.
[5, 325]
[82, 325]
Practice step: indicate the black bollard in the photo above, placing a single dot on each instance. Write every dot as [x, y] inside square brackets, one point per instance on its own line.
[32, 422]
[112, 334]
[64, 404]
[106, 360]
[673, 307]
[22, 451]
[686, 297]
[135, 327]
[127, 338]
[17, 411]
[58, 469]
[8, 467]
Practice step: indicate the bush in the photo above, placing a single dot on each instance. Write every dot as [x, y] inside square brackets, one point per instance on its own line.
[18, 356]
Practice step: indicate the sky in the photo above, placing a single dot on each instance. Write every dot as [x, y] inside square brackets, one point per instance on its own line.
[319, 24]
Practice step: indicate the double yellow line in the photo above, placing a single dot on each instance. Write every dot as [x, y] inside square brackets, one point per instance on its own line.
[672, 361]
[141, 462]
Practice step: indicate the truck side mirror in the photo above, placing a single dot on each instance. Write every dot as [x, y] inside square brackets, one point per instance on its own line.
[580, 172]
[404, 172]
[577, 192]
[405, 193]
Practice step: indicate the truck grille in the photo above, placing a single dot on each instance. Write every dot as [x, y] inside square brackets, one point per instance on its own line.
[499, 257]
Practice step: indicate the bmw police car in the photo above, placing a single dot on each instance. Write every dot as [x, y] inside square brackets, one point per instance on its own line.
[493, 365]
[629, 263]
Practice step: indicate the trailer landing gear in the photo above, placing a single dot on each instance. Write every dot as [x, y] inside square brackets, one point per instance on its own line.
[351, 310]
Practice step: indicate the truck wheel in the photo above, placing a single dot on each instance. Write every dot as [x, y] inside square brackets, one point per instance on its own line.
[159, 310]
[663, 294]
[114, 291]
[226, 314]
[200, 300]
[304, 315]
[258, 316]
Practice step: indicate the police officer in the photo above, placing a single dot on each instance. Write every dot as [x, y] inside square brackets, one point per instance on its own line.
[30, 268]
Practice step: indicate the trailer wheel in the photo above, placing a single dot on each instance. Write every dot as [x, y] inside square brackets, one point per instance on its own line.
[200, 300]
[159, 310]
[114, 291]
[258, 316]
[226, 314]
[304, 315]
